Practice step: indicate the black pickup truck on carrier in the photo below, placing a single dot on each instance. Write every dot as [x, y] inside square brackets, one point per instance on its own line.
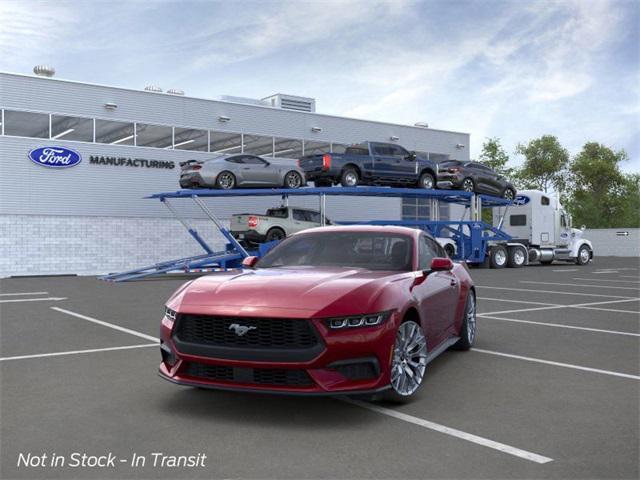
[371, 163]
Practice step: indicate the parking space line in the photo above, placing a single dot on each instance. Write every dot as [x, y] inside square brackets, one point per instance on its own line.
[530, 290]
[604, 280]
[581, 285]
[485, 442]
[628, 276]
[559, 325]
[23, 293]
[558, 364]
[516, 301]
[566, 270]
[76, 352]
[587, 306]
[20, 300]
[107, 324]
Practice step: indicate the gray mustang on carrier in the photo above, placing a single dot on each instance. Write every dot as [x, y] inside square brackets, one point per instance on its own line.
[241, 170]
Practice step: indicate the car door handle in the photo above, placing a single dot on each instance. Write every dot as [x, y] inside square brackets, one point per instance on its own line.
[247, 168]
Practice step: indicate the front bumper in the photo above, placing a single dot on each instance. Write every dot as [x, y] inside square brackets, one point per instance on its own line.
[349, 361]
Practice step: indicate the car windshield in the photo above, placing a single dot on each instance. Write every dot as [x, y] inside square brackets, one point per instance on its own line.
[367, 250]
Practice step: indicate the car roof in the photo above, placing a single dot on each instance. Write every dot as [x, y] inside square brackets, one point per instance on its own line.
[364, 229]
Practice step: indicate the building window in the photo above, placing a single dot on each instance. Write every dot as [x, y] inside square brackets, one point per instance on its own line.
[26, 124]
[71, 128]
[191, 139]
[114, 133]
[313, 148]
[225, 143]
[287, 148]
[157, 136]
[415, 209]
[258, 145]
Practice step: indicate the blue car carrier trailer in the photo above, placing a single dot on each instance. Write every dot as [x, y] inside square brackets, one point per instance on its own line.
[474, 239]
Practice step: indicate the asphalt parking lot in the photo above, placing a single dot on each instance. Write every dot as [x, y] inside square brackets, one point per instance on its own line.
[550, 391]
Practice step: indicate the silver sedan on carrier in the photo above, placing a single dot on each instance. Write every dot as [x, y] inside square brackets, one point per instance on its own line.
[241, 170]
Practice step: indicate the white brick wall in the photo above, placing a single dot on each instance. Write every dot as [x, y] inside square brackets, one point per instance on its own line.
[45, 245]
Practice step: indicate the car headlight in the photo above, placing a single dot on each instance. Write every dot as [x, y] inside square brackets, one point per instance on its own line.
[355, 321]
[170, 314]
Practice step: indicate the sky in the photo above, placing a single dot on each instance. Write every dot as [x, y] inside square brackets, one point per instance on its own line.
[515, 70]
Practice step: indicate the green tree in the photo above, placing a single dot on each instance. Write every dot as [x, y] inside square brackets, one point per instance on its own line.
[545, 164]
[600, 195]
[494, 156]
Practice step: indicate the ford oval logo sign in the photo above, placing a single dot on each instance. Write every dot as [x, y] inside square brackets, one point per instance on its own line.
[55, 157]
[521, 200]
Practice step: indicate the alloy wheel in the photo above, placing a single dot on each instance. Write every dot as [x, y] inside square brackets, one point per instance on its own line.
[427, 182]
[584, 255]
[293, 180]
[351, 179]
[471, 319]
[226, 181]
[500, 257]
[409, 359]
[519, 256]
[467, 185]
[508, 194]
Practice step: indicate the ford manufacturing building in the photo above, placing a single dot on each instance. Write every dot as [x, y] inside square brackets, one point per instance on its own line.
[93, 218]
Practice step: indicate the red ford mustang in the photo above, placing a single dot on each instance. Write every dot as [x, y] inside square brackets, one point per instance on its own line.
[333, 310]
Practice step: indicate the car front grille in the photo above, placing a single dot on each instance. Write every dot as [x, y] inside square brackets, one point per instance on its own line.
[247, 338]
[260, 332]
[259, 376]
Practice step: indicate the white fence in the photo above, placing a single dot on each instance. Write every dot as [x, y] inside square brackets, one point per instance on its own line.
[614, 242]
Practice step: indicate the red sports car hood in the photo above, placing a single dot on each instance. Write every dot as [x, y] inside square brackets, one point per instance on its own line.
[296, 291]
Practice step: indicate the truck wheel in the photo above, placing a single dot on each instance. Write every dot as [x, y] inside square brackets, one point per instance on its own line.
[584, 255]
[426, 181]
[468, 185]
[498, 256]
[226, 180]
[517, 257]
[275, 234]
[349, 178]
[450, 249]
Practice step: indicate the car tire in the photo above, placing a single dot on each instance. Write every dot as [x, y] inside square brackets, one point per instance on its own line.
[349, 178]
[275, 234]
[509, 194]
[584, 255]
[225, 180]
[403, 387]
[468, 185]
[293, 180]
[517, 257]
[468, 330]
[427, 181]
[498, 257]
[450, 250]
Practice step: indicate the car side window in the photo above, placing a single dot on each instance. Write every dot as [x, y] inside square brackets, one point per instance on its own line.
[313, 216]
[237, 159]
[251, 160]
[425, 253]
[299, 215]
[398, 151]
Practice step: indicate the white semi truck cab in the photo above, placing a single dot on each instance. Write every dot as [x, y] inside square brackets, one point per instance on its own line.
[541, 231]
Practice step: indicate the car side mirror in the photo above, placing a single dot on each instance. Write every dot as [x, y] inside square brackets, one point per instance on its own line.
[440, 264]
[249, 262]
[411, 156]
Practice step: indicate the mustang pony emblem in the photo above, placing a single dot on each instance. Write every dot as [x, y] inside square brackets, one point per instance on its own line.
[241, 330]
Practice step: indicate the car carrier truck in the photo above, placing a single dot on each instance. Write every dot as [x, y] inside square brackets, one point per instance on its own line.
[540, 231]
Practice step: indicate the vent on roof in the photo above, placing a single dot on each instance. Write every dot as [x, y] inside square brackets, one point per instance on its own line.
[291, 102]
[175, 91]
[153, 88]
[44, 71]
